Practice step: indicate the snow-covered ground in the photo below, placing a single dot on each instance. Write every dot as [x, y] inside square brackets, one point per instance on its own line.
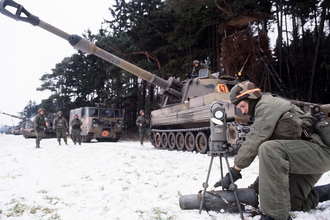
[120, 180]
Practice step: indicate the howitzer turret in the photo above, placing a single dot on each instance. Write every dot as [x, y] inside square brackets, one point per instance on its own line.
[183, 120]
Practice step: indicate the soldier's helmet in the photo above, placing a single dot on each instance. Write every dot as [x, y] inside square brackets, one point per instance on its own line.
[41, 109]
[195, 62]
[244, 90]
[75, 115]
[60, 112]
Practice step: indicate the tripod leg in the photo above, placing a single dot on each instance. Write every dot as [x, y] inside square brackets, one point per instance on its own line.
[235, 188]
[221, 168]
[205, 185]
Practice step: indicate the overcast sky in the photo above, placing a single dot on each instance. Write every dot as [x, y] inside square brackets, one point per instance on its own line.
[27, 52]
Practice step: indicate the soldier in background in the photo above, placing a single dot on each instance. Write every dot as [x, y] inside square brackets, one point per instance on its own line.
[143, 122]
[197, 67]
[60, 125]
[76, 123]
[39, 126]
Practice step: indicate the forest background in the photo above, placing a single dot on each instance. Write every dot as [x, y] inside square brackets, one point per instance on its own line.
[164, 37]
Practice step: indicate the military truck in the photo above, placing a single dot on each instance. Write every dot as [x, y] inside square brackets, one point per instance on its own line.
[183, 122]
[102, 124]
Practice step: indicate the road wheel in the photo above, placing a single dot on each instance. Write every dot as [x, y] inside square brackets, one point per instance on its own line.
[152, 137]
[190, 141]
[179, 140]
[171, 140]
[201, 143]
[232, 134]
[164, 140]
[158, 140]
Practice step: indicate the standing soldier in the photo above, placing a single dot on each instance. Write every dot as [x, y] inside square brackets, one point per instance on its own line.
[76, 123]
[143, 122]
[39, 126]
[60, 126]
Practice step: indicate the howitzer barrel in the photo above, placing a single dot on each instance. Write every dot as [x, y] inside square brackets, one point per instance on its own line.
[220, 200]
[14, 116]
[87, 47]
[90, 48]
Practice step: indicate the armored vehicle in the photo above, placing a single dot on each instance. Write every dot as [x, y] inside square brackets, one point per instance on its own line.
[9, 131]
[49, 130]
[28, 129]
[183, 121]
[29, 132]
[102, 124]
[17, 130]
[24, 128]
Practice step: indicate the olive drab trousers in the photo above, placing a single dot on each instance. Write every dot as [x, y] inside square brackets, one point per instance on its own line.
[144, 132]
[40, 135]
[61, 133]
[288, 171]
[76, 136]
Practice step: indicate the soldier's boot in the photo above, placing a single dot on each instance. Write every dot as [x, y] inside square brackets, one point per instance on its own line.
[37, 146]
[66, 143]
[324, 192]
[59, 143]
[74, 143]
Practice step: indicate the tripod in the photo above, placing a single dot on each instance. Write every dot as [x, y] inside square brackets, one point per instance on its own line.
[232, 186]
[218, 138]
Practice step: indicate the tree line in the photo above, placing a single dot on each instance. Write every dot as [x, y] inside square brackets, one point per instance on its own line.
[164, 37]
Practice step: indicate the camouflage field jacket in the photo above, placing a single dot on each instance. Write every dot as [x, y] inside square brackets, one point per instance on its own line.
[269, 113]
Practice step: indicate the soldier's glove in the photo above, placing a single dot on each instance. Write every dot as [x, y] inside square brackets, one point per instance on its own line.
[225, 182]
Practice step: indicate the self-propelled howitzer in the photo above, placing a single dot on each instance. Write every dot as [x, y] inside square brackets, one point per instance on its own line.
[183, 121]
